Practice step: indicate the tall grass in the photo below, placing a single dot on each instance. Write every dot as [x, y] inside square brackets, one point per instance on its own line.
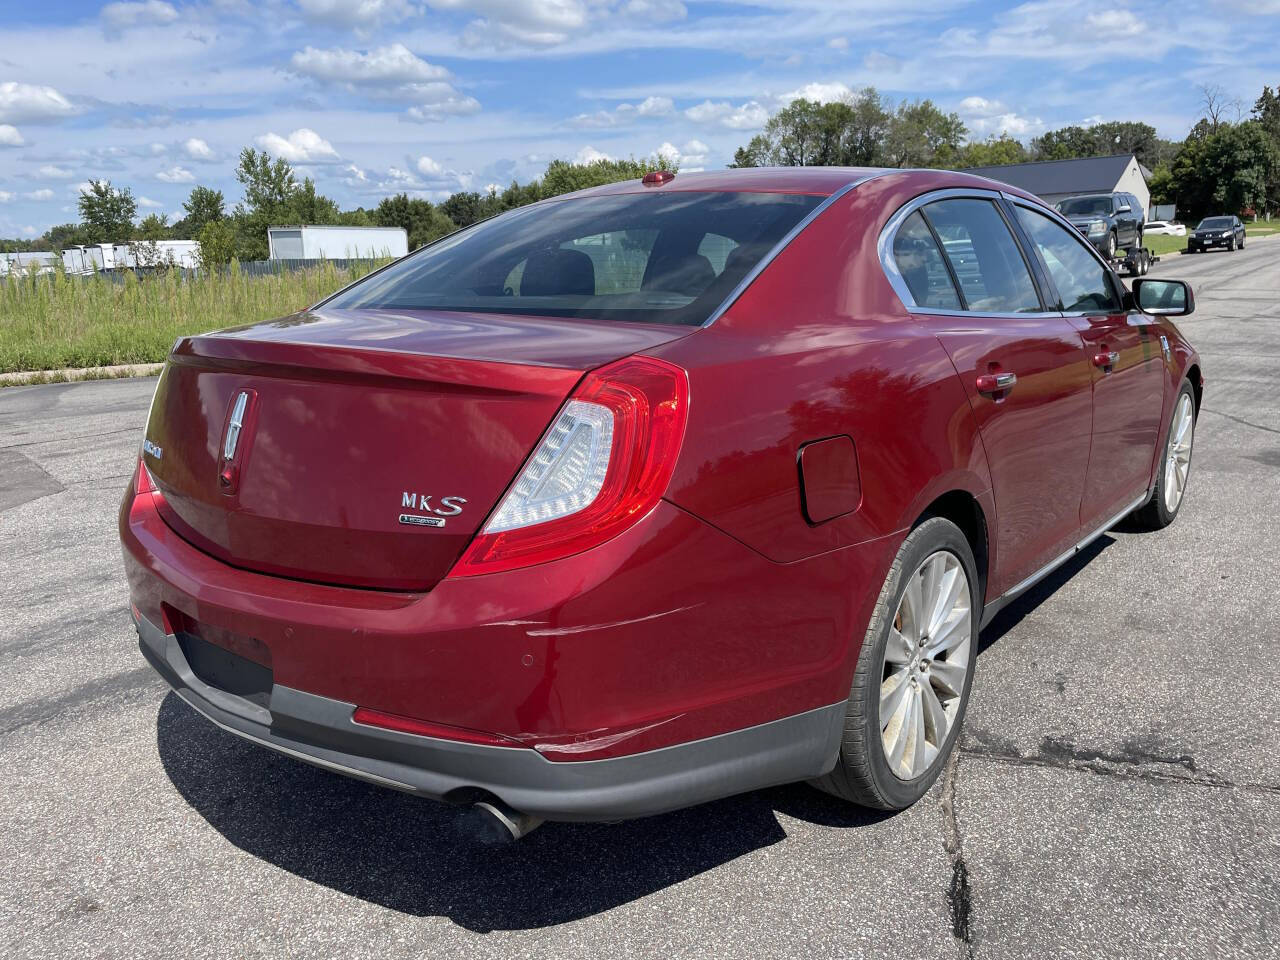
[55, 320]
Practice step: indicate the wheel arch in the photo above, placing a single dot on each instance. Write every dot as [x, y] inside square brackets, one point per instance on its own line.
[965, 510]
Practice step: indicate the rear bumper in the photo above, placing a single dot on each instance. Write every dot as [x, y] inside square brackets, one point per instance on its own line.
[320, 731]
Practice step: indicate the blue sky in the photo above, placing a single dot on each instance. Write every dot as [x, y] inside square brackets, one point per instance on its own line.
[371, 97]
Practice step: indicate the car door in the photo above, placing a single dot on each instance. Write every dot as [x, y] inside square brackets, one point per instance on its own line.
[955, 263]
[1126, 360]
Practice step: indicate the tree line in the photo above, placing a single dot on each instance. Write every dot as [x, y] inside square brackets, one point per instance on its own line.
[273, 195]
[1222, 166]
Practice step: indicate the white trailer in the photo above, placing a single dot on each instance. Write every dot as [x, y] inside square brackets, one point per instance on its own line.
[336, 243]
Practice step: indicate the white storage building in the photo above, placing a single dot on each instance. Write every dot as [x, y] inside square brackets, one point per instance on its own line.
[336, 243]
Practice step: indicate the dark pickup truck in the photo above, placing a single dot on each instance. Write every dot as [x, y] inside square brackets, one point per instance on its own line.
[1110, 221]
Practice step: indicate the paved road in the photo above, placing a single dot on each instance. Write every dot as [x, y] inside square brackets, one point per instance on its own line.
[1117, 794]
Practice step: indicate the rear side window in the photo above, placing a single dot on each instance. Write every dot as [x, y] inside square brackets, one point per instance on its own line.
[1082, 282]
[920, 262]
[654, 258]
[984, 256]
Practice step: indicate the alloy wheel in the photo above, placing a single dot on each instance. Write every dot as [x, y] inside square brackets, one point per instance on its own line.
[926, 660]
[1177, 461]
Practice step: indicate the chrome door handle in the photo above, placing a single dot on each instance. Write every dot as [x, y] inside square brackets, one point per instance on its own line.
[1106, 359]
[996, 382]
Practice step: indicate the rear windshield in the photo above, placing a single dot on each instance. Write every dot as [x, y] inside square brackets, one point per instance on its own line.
[1214, 223]
[655, 258]
[1085, 206]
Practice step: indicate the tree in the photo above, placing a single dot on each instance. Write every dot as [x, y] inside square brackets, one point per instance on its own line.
[847, 132]
[421, 220]
[565, 177]
[153, 227]
[268, 187]
[204, 205]
[992, 152]
[305, 205]
[1104, 140]
[1217, 105]
[921, 135]
[1266, 110]
[107, 212]
[65, 235]
[1229, 171]
[217, 243]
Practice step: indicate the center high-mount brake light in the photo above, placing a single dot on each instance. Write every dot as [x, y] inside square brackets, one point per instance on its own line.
[604, 463]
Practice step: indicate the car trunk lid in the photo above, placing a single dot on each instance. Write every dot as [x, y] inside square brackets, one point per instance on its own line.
[370, 446]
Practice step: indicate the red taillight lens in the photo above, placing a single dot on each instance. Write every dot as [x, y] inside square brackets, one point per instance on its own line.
[604, 463]
[142, 482]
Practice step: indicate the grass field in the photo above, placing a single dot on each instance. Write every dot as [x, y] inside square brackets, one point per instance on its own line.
[58, 321]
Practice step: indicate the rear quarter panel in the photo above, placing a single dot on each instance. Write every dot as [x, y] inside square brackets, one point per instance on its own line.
[819, 346]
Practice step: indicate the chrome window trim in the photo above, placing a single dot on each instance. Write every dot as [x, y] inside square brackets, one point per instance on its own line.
[884, 249]
[782, 244]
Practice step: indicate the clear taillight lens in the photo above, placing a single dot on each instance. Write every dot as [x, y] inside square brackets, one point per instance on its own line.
[565, 473]
[605, 462]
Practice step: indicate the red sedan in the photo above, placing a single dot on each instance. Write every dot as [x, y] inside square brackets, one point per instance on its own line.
[653, 493]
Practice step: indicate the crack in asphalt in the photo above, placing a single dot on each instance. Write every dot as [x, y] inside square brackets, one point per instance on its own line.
[959, 893]
[1133, 761]
[1240, 420]
[141, 681]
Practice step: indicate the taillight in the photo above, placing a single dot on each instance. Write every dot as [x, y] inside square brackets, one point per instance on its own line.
[604, 463]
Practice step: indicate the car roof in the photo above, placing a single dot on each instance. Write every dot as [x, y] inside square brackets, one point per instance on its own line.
[817, 181]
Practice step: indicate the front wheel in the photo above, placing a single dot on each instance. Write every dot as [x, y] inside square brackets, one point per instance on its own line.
[1231, 245]
[1175, 465]
[1111, 245]
[912, 681]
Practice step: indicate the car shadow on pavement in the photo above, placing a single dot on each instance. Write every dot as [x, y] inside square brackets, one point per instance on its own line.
[1016, 611]
[413, 855]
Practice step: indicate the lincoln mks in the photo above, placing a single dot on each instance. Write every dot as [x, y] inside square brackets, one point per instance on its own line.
[654, 493]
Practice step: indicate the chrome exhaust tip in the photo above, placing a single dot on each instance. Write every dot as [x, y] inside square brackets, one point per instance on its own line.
[492, 822]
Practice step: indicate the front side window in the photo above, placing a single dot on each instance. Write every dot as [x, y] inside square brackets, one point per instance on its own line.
[920, 262]
[984, 256]
[1082, 282]
[654, 258]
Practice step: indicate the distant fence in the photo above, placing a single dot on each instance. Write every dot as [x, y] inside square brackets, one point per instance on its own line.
[251, 268]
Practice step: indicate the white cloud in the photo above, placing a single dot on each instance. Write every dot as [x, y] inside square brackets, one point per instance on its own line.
[197, 149]
[656, 10]
[5, 196]
[357, 14]
[30, 231]
[819, 92]
[388, 73]
[302, 146]
[649, 107]
[429, 167]
[838, 43]
[51, 172]
[541, 24]
[986, 117]
[30, 103]
[690, 158]
[590, 154]
[44, 193]
[9, 136]
[393, 66]
[354, 175]
[176, 174]
[1115, 23]
[120, 16]
[442, 102]
[148, 203]
[750, 116]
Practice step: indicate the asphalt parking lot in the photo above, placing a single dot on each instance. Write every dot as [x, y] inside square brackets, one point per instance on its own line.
[1117, 792]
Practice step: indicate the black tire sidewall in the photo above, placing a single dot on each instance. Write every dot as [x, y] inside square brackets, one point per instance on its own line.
[933, 534]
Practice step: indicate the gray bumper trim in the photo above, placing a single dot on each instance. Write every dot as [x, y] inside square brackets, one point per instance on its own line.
[320, 731]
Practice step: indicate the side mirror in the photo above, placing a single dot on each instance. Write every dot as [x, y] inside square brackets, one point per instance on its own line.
[1164, 298]
[1124, 208]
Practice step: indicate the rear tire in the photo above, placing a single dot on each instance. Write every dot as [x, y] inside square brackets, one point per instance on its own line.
[922, 684]
[1173, 470]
